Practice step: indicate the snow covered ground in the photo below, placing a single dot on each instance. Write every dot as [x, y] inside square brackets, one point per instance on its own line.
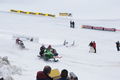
[104, 65]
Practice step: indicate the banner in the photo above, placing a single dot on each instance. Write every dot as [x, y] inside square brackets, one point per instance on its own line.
[65, 14]
[33, 13]
[98, 28]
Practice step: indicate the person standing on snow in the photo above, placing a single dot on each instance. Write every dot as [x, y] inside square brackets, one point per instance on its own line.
[70, 24]
[118, 45]
[73, 24]
[91, 47]
[94, 46]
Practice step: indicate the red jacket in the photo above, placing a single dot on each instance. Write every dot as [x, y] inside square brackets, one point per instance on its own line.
[42, 76]
[94, 45]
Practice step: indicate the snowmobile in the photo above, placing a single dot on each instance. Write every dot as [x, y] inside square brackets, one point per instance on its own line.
[48, 55]
[48, 59]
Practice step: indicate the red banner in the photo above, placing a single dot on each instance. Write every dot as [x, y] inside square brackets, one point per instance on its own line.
[98, 28]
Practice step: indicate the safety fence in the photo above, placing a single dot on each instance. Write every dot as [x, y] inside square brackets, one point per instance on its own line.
[33, 13]
[98, 28]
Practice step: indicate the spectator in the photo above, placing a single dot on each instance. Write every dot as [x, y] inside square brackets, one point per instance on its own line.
[94, 46]
[91, 44]
[64, 75]
[2, 78]
[117, 45]
[44, 75]
[70, 24]
[91, 47]
[73, 24]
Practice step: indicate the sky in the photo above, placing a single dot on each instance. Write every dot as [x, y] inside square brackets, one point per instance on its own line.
[104, 65]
